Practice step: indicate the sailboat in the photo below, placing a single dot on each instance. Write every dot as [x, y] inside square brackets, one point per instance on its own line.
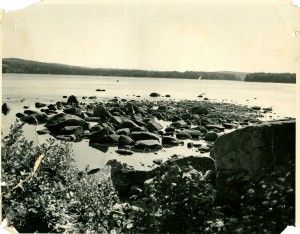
[199, 78]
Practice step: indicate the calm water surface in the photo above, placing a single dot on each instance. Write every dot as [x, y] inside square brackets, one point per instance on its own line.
[20, 90]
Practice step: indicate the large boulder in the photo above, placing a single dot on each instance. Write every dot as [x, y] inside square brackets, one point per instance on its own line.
[59, 121]
[256, 151]
[136, 136]
[211, 136]
[36, 118]
[125, 140]
[98, 136]
[169, 140]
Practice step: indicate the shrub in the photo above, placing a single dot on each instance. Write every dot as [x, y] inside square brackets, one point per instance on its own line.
[184, 204]
[54, 196]
[266, 206]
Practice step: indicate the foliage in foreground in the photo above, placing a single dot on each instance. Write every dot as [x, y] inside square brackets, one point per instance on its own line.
[56, 197]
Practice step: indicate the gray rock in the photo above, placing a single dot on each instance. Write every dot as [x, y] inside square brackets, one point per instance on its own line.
[147, 144]
[36, 118]
[125, 140]
[68, 130]
[127, 124]
[58, 121]
[199, 110]
[153, 126]
[98, 136]
[72, 100]
[5, 109]
[124, 151]
[136, 136]
[256, 151]
[123, 131]
[168, 140]
[211, 136]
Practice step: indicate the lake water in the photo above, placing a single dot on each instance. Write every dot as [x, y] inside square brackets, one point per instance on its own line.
[20, 90]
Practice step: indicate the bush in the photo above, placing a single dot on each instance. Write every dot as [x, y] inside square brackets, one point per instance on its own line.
[54, 196]
[179, 204]
[266, 206]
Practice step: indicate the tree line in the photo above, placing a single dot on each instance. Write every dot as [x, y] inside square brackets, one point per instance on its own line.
[12, 65]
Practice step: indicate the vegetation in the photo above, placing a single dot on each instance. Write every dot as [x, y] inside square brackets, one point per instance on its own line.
[13, 65]
[54, 196]
[46, 193]
[271, 77]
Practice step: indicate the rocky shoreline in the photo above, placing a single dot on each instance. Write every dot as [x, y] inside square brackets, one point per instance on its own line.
[135, 126]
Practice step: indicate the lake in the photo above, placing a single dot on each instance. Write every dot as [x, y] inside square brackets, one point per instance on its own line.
[20, 90]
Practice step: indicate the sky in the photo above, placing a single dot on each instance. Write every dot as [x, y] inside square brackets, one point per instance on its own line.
[232, 35]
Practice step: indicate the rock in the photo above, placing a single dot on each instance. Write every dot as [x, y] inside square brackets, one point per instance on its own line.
[179, 124]
[92, 119]
[125, 140]
[39, 105]
[5, 108]
[73, 111]
[92, 97]
[138, 129]
[136, 190]
[123, 131]
[153, 126]
[100, 111]
[256, 108]
[154, 95]
[65, 138]
[100, 90]
[111, 139]
[168, 140]
[115, 120]
[204, 149]
[157, 161]
[256, 151]
[230, 125]
[162, 108]
[124, 151]
[68, 130]
[124, 178]
[186, 116]
[98, 136]
[42, 132]
[96, 128]
[58, 121]
[200, 110]
[193, 132]
[212, 126]
[72, 100]
[127, 124]
[183, 135]
[170, 129]
[147, 144]
[199, 163]
[211, 136]
[190, 145]
[30, 112]
[36, 118]
[168, 95]
[20, 115]
[136, 136]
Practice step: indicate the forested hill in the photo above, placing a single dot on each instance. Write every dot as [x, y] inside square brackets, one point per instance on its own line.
[14, 65]
[271, 77]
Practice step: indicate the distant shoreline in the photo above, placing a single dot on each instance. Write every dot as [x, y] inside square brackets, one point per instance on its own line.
[15, 65]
